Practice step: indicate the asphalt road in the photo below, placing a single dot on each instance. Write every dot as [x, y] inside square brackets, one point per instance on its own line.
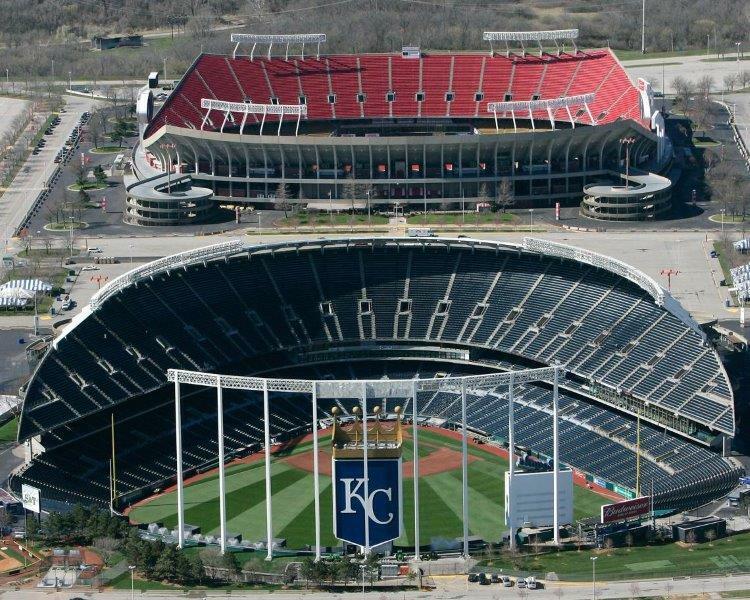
[455, 588]
[15, 203]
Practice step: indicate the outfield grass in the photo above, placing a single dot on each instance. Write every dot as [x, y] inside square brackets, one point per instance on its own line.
[9, 431]
[293, 500]
[722, 556]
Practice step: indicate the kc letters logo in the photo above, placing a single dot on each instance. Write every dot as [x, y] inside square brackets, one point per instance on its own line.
[367, 515]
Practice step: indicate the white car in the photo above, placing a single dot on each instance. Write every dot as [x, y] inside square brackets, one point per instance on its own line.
[95, 250]
[89, 268]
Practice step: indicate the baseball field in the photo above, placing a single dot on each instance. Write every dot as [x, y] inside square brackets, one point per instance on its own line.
[292, 486]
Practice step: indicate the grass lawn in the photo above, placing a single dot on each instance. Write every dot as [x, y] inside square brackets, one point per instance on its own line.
[65, 226]
[725, 265]
[636, 54]
[727, 219]
[726, 555]
[323, 219]
[470, 218]
[107, 150]
[9, 431]
[88, 186]
[122, 582]
[293, 505]
[701, 141]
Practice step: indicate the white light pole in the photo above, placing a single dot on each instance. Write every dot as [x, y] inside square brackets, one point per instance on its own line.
[593, 577]
[70, 80]
[71, 235]
[330, 207]
[531, 220]
[362, 568]
[53, 69]
[722, 220]
[132, 581]
[130, 247]
[165, 68]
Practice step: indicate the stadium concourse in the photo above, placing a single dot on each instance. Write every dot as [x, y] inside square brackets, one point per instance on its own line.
[414, 128]
[375, 308]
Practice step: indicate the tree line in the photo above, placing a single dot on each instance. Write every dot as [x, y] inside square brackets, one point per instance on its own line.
[59, 30]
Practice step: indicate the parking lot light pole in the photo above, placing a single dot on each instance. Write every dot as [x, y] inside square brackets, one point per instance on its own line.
[131, 568]
[593, 577]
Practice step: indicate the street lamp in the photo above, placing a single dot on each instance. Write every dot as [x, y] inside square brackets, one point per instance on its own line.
[723, 210]
[362, 568]
[627, 142]
[70, 80]
[70, 228]
[593, 577]
[531, 220]
[368, 193]
[130, 247]
[738, 44]
[330, 207]
[132, 581]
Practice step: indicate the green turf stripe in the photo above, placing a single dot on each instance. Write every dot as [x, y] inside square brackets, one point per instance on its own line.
[290, 491]
[437, 514]
[301, 529]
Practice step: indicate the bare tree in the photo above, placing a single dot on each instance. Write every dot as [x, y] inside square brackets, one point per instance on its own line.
[282, 199]
[684, 90]
[704, 86]
[504, 198]
[710, 536]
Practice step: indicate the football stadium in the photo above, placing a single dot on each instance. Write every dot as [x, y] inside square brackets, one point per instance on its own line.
[413, 131]
[597, 364]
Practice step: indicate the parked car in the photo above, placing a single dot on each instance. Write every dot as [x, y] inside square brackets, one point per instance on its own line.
[473, 577]
[507, 581]
[484, 580]
[496, 578]
[714, 254]
[521, 583]
[531, 583]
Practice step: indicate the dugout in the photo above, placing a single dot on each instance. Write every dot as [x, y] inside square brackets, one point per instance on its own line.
[700, 528]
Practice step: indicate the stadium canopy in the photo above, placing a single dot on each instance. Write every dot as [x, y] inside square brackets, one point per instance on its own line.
[271, 39]
[248, 108]
[536, 105]
[530, 36]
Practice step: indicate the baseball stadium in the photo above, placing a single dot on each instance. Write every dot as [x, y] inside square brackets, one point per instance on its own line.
[413, 131]
[433, 330]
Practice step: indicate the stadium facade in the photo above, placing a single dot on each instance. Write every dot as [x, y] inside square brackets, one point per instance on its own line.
[642, 385]
[412, 130]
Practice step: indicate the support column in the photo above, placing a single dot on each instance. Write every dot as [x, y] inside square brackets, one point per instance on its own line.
[511, 458]
[415, 459]
[222, 487]
[365, 473]
[267, 443]
[464, 472]
[316, 469]
[555, 460]
[178, 451]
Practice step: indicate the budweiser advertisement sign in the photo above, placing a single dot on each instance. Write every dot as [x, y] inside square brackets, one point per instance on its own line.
[627, 509]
